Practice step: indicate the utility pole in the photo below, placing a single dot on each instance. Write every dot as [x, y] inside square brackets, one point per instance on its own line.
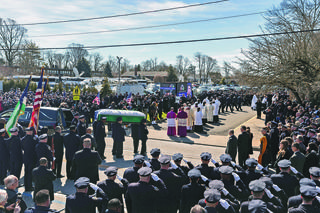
[119, 60]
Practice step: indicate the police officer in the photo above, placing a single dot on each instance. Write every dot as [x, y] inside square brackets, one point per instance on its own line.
[89, 135]
[214, 203]
[118, 134]
[86, 162]
[284, 180]
[43, 177]
[177, 158]
[58, 151]
[131, 174]
[100, 134]
[75, 119]
[81, 202]
[72, 143]
[44, 150]
[135, 137]
[143, 136]
[250, 174]
[232, 145]
[258, 189]
[42, 201]
[228, 177]
[29, 143]
[15, 150]
[112, 188]
[192, 192]
[4, 156]
[81, 126]
[154, 161]
[143, 196]
[173, 183]
[315, 175]
[308, 194]
[205, 169]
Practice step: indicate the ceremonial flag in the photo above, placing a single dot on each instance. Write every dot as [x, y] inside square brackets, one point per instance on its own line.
[37, 104]
[18, 110]
[129, 98]
[44, 87]
[97, 99]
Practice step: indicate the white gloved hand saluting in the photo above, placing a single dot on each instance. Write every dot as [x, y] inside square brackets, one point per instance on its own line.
[155, 177]
[267, 191]
[94, 186]
[147, 163]
[235, 176]
[204, 178]
[119, 177]
[173, 165]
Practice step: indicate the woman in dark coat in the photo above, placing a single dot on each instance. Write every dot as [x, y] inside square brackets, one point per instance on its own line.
[312, 159]
[283, 153]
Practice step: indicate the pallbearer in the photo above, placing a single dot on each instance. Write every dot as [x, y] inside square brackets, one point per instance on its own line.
[171, 119]
[182, 123]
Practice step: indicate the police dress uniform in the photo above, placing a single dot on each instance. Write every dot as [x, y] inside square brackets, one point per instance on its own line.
[58, 153]
[4, 157]
[177, 157]
[135, 136]
[100, 134]
[81, 127]
[173, 183]
[155, 164]
[29, 143]
[143, 136]
[192, 192]
[93, 141]
[232, 147]
[205, 169]
[15, 150]
[143, 197]
[307, 192]
[72, 143]
[131, 174]
[42, 178]
[44, 150]
[112, 188]
[86, 164]
[39, 209]
[118, 134]
[82, 202]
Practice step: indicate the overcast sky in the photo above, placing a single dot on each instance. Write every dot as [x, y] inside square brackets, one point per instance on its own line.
[31, 11]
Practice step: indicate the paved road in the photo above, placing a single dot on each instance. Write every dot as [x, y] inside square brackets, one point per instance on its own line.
[213, 142]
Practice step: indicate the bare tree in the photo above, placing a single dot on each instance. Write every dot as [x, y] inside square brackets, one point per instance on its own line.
[66, 60]
[154, 64]
[200, 65]
[96, 60]
[76, 52]
[29, 58]
[58, 59]
[11, 38]
[113, 62]
[290, 60]
[182, 64]
[49, 57]
[210, 66]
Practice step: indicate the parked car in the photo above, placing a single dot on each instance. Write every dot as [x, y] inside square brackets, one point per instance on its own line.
[49, 116]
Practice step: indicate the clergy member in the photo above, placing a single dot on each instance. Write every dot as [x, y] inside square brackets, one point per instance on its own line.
[182, 123]
[171, 120]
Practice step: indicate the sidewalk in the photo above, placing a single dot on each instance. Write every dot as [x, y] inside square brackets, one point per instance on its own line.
[158, 132]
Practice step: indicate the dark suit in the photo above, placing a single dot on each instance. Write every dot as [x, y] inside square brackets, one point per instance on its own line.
[15, 150]
[86, 164]
[42, 178]
[29, 143]
[72, 143]
[135, 137]
[100, 134]
[232, 147]
[118, 134]
[58, 152]
[243, 148]
[297, 161]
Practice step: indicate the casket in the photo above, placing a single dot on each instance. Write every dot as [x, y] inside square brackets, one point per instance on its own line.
[128, 116]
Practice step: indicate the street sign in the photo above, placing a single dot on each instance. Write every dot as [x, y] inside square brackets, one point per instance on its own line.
[76, 93]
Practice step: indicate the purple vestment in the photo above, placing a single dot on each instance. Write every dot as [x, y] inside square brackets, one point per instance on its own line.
[182, 123]
[171, 120]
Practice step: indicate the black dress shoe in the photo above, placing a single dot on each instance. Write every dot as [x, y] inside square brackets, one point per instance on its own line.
[119, 156]
[60, 176]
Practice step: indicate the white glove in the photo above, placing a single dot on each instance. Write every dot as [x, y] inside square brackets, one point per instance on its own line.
[204, 178]
[224, 203]
[213, 161]
[318, 189]
[233, 163]
[236, 176]
[224, 191]
[173, 165]
[147, 163]
[293, 170]
[260, 166]
[54, 158]
[185, 160]
[267, 191]
[119, 177]
[275, 187]
[94, 186]
[318, 198]
[155, 177]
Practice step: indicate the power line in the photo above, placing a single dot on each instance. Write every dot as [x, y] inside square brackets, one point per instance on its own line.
[150, 26]
[176, 42]
[126, 14]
